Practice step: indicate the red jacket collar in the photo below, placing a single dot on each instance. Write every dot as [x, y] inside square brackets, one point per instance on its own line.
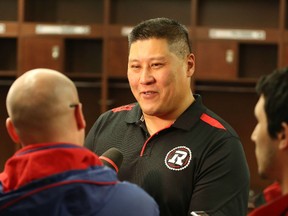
[42, 160]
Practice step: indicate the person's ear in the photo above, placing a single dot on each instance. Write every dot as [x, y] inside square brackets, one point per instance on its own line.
[81, 123]
[12, 131]
[190, 65]
[283, 136]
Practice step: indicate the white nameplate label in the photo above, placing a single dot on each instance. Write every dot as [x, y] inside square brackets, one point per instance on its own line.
[237, 34]
[62, 29]
[2, 28]
[125, 31]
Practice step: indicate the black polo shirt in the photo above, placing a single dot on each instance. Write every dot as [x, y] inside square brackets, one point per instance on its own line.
[196, 164]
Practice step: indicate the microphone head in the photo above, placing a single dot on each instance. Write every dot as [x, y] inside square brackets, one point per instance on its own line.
[112, 158]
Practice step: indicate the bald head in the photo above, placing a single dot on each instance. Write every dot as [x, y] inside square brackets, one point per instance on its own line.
[38, 104]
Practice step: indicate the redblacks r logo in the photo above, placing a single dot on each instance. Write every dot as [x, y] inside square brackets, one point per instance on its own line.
[178, 158]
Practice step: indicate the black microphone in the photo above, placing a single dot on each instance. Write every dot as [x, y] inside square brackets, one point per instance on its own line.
[112, 158]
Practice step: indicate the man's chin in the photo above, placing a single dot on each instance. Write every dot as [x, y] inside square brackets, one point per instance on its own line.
[263, 175]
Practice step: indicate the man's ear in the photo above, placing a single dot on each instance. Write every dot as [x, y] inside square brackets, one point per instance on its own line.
[191, 65]
[283, 136]
[12, 131]
[81, 123]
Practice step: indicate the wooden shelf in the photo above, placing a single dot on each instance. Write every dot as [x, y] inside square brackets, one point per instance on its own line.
[9, 10]
[238, 14]
[64, 11]
[8, 55]
[258, 35]
[7, 74]
[62, 30]
[88, 39]
[9, 29]
[120, 11]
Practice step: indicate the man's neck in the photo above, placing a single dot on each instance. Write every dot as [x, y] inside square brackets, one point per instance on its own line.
[155, 123]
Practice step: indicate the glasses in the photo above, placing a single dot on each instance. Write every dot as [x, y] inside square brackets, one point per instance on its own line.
[73, 105]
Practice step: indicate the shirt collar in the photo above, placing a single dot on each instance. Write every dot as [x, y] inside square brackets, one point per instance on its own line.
[191, 115]
[185, 121]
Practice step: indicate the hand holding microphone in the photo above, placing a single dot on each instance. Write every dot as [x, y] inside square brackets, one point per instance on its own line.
[112, 158]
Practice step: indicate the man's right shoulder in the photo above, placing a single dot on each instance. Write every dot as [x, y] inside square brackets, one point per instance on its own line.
[118, 114]
[127, 107]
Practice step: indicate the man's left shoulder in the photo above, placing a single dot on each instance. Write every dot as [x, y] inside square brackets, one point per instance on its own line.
[217, 122]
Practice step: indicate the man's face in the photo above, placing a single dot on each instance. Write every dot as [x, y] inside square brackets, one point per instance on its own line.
[159, 79]
[265, 146]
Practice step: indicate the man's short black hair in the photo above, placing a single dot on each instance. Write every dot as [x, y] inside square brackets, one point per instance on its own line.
[274, 88]
[176, 34]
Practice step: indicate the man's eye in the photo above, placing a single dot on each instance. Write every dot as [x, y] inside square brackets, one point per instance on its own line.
[157, 65]
[135, 66]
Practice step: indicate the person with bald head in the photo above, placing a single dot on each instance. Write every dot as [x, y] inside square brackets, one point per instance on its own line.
[47, 102]
[53, 174]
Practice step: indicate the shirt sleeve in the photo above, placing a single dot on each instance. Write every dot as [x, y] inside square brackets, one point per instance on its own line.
[222, 181]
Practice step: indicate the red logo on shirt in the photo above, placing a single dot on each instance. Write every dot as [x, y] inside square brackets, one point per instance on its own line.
[178, 158]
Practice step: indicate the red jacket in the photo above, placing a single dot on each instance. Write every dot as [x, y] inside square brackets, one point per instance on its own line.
[65, 180]
[277, 204]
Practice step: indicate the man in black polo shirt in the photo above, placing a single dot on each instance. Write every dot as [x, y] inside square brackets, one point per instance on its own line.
[181, 153]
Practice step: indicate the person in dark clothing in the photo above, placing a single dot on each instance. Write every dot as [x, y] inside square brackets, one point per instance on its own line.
[184, 155]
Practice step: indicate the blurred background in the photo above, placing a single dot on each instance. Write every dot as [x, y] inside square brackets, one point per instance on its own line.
[235, 42]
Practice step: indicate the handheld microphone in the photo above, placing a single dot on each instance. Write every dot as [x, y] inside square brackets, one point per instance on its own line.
[112, 158]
